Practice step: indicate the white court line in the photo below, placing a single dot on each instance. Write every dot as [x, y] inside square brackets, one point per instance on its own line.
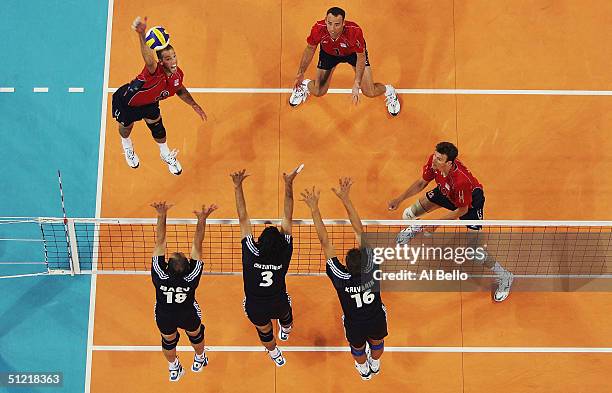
[92, 289]
[184, 348]
[40, 90]
[244, 90]
[76, 90]
[7, 89]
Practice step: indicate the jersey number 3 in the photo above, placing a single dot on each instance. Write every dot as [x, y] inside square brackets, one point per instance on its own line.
[267, 279]
[177, 297]
[368, 298]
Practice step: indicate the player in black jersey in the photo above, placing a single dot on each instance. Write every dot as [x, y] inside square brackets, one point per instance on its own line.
[175, 284]
[264, 266]
[365, 316]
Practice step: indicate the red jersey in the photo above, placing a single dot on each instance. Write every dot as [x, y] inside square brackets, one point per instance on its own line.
[350, 40]
[457, 186]
[157, 86]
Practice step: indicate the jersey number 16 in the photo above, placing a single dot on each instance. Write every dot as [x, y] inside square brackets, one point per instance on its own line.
[368, 298]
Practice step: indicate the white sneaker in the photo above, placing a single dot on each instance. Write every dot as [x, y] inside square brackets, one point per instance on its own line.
[130, 157]
[504, 282]
[299, 94]
[199, 364]
[364, 372]
[282, 335]
[279, 360]
[408, 233]
[174, 166]
[374, 366]
[176, 373]
[392, 102]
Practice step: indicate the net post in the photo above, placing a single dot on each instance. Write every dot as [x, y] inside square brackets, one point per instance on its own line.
[75, 265]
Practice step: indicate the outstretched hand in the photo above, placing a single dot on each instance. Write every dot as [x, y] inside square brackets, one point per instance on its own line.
[238, 177]
[161, 207]
[355, 94]
[311, 198]
[291, 175]
[139, 25]
[345, 187]
[205, 212]
[198, 109]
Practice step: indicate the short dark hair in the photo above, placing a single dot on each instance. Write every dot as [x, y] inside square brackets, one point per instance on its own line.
[354, 260]
[160, 56]
[335, 11]
[177, 264]
[448, 149]
[270, 242]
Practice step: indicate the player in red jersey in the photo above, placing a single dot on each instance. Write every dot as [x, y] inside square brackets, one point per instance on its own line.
[341, 42]
[458, 191]
[161, 78]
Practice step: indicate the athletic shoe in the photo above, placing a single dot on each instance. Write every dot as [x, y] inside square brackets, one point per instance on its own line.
[408, 233]
[176, 373]
[198, 365]
[374, 366]
[174, 166]
[366, 374]
[299, 94]
[392, 102]
[504, 282]
[130, 157]
[279, 360]
[283, 336]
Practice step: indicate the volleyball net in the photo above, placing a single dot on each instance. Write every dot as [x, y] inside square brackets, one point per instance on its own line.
[115, 245]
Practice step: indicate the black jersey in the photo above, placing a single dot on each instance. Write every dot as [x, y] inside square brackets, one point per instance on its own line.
[359, 296]
[175, 293]
[264, 278]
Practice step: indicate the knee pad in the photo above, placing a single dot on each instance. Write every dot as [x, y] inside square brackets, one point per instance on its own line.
[287, 320]
[157, 129]
[265, 337]
[357, 352]
[199, 337]
[413, 212]
[376, 347]
[170, 344]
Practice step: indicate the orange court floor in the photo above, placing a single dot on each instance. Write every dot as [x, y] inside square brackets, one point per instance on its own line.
[539, 157]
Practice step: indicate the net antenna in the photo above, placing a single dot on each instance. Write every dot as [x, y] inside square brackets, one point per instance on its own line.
[69, 230]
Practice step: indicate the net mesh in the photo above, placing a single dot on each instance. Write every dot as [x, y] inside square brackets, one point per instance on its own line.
[521, 247]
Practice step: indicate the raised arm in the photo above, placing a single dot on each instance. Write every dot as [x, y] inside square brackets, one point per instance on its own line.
[311, 198]
[160, 238]
[243, 216]
[198, 237]
[288, 204]
[342, 192]
[304, 63]
[416, 187]
[148, 54]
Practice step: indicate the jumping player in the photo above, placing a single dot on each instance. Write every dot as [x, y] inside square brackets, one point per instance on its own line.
[161, 78]
[264, 266]
[365, 316]
[175, 284]
[341, 42]
[457, 190]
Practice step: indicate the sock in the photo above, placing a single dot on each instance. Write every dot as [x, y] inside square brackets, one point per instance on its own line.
[498, 269]
[163, 148]
[389, 90]
[274, 353]
[173, 365]
[201, 357]
[126, 142]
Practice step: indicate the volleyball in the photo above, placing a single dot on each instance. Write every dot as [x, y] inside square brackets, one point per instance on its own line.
[157, 38]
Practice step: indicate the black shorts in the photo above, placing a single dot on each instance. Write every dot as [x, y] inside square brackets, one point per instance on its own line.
[126, 114]
[475, 211]
[358, 332]
[327, 61]
[188, 318]
[260, 313]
